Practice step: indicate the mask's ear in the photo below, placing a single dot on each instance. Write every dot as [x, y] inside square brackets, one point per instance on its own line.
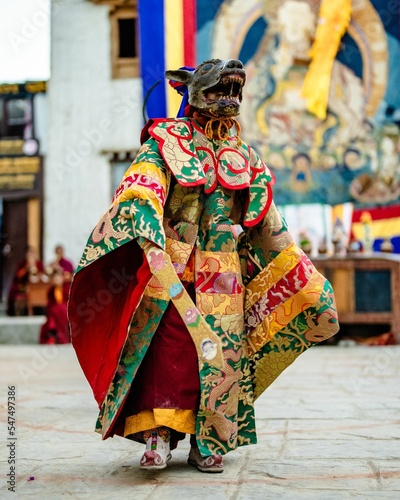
[180, 75]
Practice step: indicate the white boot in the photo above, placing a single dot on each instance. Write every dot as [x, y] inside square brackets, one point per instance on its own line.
[212, 463]
[157, 451]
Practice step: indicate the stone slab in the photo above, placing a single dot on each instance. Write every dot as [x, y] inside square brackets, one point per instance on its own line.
[21, 329]
[317, 436]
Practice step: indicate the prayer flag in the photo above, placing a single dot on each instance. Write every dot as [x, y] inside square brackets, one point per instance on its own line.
[167, 41]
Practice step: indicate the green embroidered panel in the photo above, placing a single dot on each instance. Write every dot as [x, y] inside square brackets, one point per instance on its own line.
[225, 419]
[143, 325]
[175, 138]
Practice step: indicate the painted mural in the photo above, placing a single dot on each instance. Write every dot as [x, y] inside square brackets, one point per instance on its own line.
[354, 153]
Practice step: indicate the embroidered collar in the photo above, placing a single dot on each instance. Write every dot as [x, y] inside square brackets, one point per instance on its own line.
[196, 160]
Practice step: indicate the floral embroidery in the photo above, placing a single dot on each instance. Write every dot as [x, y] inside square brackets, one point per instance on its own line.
[156, 260]
[246, 279]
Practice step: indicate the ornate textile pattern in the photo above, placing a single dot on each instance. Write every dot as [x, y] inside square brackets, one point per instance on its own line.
[279, 292]
[183, 144]
[207, 343]
[113, 229]
[260, 196]
[209, 303]
[283, 263]
[213, 262]
[288, 310]
[156, 290]
[136, 210]
[179, 253]
[184, 207]
[281, 287]
[177, 149]
[341, 142]
[234, 169]
[144, 181]
[311, 326]
[265, 242]
[143, 325]
[259, 301]
[226, 415]
[225, 418]
[224, 161]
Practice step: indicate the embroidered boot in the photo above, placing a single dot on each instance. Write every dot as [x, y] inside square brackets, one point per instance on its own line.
[211, 463]
[157, 451]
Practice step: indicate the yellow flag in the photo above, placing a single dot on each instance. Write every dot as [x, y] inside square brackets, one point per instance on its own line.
[333, 20]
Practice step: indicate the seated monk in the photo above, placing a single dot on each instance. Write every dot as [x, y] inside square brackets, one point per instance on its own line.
[55, 330]
[29, 270]
[61, 263]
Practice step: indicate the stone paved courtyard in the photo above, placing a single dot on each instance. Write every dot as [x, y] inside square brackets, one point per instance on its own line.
[328, 428]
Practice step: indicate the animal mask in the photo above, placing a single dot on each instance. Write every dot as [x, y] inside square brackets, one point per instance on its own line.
[215, 86]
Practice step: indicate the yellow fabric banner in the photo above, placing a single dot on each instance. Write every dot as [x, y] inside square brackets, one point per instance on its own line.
[333, 20]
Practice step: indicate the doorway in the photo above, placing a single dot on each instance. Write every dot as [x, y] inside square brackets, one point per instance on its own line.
[13, 240]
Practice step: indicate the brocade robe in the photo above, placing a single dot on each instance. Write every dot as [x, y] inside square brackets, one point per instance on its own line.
[208, 204]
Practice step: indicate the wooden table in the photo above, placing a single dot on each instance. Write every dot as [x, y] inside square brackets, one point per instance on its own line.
[36, 295]
[367, 288]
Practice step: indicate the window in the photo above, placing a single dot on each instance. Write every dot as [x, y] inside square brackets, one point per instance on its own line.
[127, 37]
[124, 37]
[16, 117]
[124, 47]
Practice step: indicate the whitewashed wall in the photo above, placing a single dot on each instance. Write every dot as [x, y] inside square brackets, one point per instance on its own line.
[89, 114]
[41, 121]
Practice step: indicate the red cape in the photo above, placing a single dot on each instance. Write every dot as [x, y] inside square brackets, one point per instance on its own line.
[103, 297]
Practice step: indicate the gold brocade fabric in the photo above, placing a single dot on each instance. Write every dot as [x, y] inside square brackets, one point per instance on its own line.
[180, 420]
[204, 207]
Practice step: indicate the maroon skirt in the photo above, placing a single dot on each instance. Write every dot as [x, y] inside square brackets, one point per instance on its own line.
[168, 376]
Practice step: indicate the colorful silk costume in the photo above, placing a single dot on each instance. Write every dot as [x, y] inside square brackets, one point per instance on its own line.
[259, 301]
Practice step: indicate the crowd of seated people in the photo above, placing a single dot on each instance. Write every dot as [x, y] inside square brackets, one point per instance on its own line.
[56, 279]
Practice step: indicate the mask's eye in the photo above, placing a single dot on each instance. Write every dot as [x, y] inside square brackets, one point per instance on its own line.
[206, 68]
